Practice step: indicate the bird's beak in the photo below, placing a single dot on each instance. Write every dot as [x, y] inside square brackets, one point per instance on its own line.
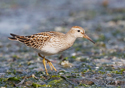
[85, 36]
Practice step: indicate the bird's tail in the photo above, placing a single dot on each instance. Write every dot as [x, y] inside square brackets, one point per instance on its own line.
[14, 37]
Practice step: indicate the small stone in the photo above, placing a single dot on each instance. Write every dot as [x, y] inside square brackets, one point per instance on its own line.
[66, 64]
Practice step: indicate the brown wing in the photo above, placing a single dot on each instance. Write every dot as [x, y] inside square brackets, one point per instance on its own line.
[34, 41]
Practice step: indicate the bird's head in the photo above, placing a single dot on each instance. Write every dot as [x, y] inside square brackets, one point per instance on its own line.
[77, 31]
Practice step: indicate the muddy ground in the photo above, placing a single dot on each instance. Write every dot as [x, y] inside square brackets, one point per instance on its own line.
[84, 64]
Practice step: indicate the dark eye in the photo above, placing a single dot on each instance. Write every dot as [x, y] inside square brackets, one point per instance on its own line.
[78, 30]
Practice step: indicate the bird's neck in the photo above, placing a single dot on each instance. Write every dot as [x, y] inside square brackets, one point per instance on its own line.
[70, 38]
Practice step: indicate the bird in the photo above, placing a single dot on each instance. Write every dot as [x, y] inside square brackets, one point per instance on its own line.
[51, 42]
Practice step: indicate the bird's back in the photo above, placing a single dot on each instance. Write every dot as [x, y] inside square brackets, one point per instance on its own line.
[40, 41]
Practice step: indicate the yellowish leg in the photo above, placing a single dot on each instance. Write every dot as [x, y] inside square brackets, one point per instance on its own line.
[49, 62]
[44, 63]
[50, 66]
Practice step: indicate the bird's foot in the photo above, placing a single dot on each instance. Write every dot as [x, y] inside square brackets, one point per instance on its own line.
[49, 62]
[51, 65]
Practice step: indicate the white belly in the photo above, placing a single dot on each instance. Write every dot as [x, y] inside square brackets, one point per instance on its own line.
[51, 50]
[55, 47]
[47, 51]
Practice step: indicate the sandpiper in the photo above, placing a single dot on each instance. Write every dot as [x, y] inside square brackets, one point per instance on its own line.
[50, 43]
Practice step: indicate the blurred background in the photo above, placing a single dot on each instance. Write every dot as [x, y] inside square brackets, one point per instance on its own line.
[103, 20]
[20, 16]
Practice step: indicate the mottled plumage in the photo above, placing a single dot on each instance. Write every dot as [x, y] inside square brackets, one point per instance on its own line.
[49, 43]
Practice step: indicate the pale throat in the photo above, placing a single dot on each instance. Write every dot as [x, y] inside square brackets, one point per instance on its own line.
[69, 38]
